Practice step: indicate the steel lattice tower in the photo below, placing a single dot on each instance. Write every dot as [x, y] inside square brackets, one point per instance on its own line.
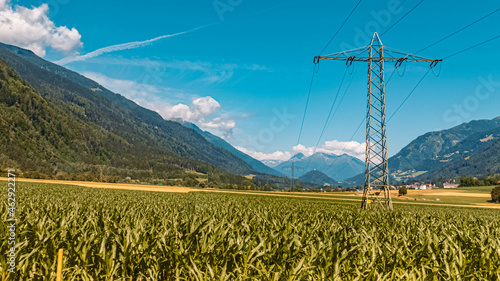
[376, 165]
[292, 179]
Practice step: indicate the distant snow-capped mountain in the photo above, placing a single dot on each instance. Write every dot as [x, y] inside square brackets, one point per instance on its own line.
[338, 167]
[272, 163]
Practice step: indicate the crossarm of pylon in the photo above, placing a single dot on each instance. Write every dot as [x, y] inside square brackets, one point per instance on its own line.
[349, 53]
[394, 54]
[390, 55]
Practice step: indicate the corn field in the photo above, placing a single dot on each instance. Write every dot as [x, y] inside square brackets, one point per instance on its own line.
[133, 235]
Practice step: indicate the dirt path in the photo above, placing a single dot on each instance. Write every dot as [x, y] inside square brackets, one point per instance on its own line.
[459, 194]
[278, 194]
[111, 185]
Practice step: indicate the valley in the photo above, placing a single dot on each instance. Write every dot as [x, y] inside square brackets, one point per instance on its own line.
[249, 140]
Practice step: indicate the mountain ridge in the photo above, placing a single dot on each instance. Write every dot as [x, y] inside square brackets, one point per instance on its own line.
[318, 178]
[339, 167]
[42, 140]
[110, 110]
[433, 155]
[215, 140]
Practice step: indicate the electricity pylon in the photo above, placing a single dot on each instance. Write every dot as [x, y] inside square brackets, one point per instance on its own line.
[376, 166]
[292, 179]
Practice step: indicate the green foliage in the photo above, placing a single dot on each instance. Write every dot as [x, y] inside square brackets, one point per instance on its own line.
[257, 165]
[190, 182]
[461, 150]
[49, 138]
[133, 235]
[138, 134]
[495, 194]
[443, 153]
[318, 178]
[403, 191]
[481, 181]
[279, 182]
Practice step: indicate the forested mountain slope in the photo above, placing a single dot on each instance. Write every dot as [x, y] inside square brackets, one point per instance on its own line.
[469, 149]
[40, 140]
[118, 115]
[215, 140]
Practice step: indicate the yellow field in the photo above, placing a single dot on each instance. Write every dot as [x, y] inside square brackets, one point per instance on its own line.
[111, 185]
[448, 197]
[351, 196]
[442, 192]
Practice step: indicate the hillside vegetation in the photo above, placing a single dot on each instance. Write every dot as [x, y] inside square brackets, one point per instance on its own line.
[469, 149]
[117, 115]
[318, 178]
[44, 139]
[435, 150]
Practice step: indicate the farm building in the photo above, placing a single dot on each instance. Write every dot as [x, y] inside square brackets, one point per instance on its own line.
[450, 185]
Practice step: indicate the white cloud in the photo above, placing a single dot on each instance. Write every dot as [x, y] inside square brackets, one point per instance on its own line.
[277, 155]
[33, 30]
[335, 147]
[205, 106]
[201, 111]
[224, 122]
[180, 111]
[124, 46]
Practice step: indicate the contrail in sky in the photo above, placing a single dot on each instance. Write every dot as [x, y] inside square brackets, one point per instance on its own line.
[138, 44]
[125, 46]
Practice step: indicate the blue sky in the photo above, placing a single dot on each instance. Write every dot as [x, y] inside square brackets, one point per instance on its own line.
[245, 72]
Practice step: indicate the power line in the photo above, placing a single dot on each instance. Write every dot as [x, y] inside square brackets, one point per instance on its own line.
[329, 114]
[343, 168]
[307, 103]
[446, 37]
[357, 129]
[461, 29]
[345, 146]
[376, 166]
[343, 150]
[413, 90]
[477, 45]
[314, 70]
[390, 77]
[419, 82]
[402, 17]
[292, 178]
[440, 40]
[338, 30]
[343, 95]
[338, 106]
[326, 123]
[408, 96]
[423, 77]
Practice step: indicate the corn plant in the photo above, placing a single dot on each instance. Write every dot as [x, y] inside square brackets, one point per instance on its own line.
[134, 235]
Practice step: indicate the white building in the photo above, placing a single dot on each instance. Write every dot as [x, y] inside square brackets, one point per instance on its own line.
[450, 185]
